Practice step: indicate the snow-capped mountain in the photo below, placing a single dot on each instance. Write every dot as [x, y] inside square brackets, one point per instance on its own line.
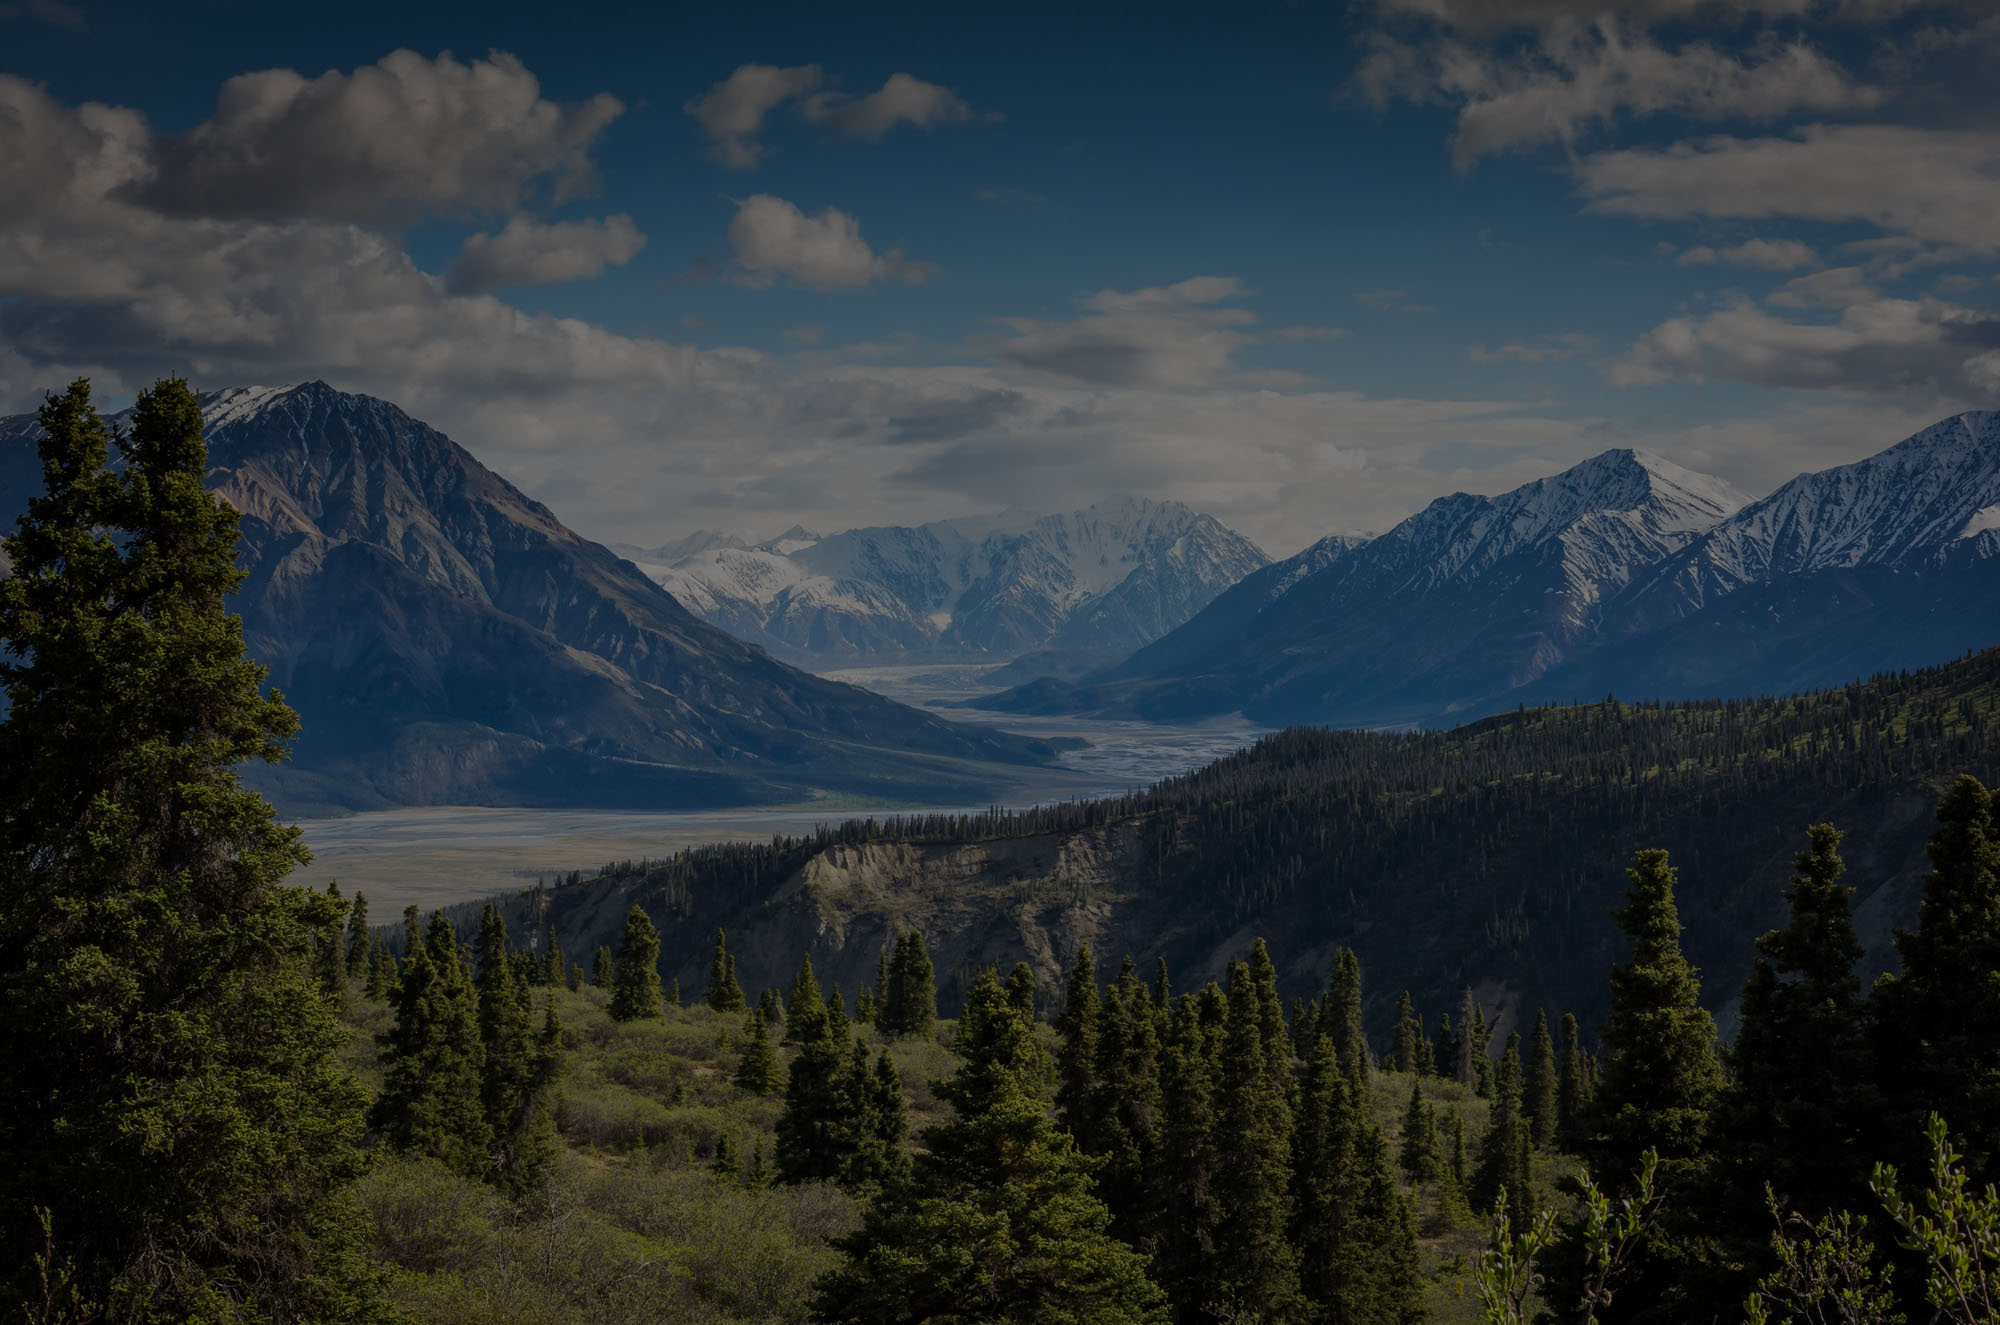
[1625, 574]
[446, 639]
[1104, 578]
[1467, 599]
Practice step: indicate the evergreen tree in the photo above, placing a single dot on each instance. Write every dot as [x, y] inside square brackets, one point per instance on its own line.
[381, 974]
[1021, 990]
[357, 938]
[816, 1128]
[1162, 988]
[1076, 1053]
[770, 1007]
[807, 1019]
[600, 969]
[999, 1222]
[1270, 1014]
[673, 993]
[1343, 1010]
[1420, 1155]
[1570, 1099]
[553, 961]
[1539, 1085]
[635, 982]
[1189, 1199]
[724, 994]
[1659, 1081]
[864, 1006]
[434, 1060]
[171, 1096]
[1937, 1023]
[330, 949]
[516, 1070]
[725, 1164]
[912, 1000]
[1256, 1269]
[1482, 1053]
[758, 1070]
[574, 980]
[1792, 1115]
[1465, 1045]
[1504, 1166]
[1409, 1035]
[1122, 1119]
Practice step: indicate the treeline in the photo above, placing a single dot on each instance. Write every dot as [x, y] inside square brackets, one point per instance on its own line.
[1454, 857]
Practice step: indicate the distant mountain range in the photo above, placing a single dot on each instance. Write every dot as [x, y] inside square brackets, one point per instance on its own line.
[1098, 582]
[1624, 574]
[446, 640]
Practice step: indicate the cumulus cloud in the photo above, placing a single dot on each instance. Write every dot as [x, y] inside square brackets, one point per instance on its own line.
[1934, 185]
[733, 111]
[1574, 76]
[1904, 349]
[775, 241]
[1764, 254]
[392, 141]
[902, 100]
[529, 253]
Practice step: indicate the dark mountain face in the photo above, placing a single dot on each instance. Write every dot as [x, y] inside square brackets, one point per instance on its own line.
[1623, 575]
[445, 639]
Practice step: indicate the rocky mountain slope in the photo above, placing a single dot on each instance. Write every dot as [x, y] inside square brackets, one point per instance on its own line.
[1105, 579]
[1447, 613]
[447, 640]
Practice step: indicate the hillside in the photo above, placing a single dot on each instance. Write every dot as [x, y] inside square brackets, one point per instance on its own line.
[447, 640]
[1486, 855]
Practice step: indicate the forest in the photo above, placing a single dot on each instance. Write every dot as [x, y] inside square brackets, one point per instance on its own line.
[227, 1098]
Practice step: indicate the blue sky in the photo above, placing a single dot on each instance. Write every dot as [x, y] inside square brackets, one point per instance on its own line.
[1302, 266]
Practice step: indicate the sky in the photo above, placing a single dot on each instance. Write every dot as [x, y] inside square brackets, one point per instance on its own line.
[1303, 266]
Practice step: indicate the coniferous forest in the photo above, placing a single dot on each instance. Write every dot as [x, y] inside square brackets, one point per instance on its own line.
[226, 1098]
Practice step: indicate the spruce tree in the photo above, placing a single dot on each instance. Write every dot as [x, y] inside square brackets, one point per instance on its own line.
[434, 1060]
[815, 1128]
[999, 1222]
[1465, 1045]
[1122, 1119]
[806, 1020]
[1793, 1112]
[1936, 1026]
[1162, 988]
[1504, 1166]
[864, 1006]
[724, 994]
[1656, 1088]
[1256, 1269]
[516, 1069]
[1188, 1200]
[1343, 1009]
[600, 969]
[1270, 1013]
[1539, 1085]
[381, 974]
[1076, 1053]
[330, 950]
[758, 1069]
[357, 938]
[673, 992]
[1419, 1155]
[1569, 1080]
[171, 1095]
[635, 981]
[912, 1002]
[1409, 1034]
[1021, 990]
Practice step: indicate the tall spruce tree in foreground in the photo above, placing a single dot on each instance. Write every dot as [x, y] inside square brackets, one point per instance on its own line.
[1571, 1096]
[635, 982]
[171, 1101]
[1936, 1026]
[1076, 1054]
[357, 938]
[758, 1070]
[1793, 1113]
[1658, 1083]
[1255, 1274]
[911, 1005]
[1504, 1166]
[1540, 1085]
[999, 1222]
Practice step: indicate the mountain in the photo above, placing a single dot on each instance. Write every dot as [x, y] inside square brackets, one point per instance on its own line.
[1489, 855]
[446, 640]
[1449, 612]
[1104, 580]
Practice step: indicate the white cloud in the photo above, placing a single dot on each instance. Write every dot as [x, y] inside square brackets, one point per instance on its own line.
[733, 112]
[1577, 75]
[775, 241]
[1164, 336]
[901, 100]
[54, 13]
[1765, 254]
[1939, 186]
[392, 141]
[529, 253]
[1544, 349]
